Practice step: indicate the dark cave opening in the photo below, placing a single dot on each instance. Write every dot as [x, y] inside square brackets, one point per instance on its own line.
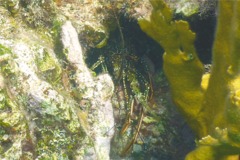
[140, 44]
[204, 27]
[136, 43]
[205, 31]
[143, 44]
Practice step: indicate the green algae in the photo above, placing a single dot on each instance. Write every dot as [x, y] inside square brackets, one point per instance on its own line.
[181, 64]
[4, 50]
[49, 67]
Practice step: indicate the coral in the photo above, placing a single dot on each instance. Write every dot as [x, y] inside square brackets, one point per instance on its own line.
[209, 102]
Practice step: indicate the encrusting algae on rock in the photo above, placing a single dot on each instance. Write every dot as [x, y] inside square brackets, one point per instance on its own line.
[209, 102]
[38, 118]
[100, 111]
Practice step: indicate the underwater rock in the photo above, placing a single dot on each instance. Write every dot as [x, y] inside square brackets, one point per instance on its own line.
[97, 91]
[185, 7]
[190, 7]
[39, 118]
[12, 6]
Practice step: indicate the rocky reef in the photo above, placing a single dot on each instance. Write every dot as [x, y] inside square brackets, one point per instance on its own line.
[74, 84]
[46, 110]
[39, 118]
